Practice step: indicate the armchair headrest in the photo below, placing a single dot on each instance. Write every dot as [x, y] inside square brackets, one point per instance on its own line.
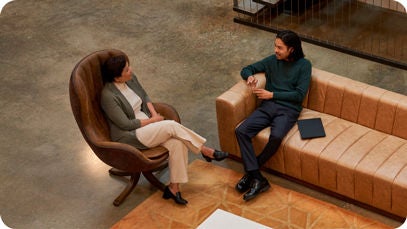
[85, 88]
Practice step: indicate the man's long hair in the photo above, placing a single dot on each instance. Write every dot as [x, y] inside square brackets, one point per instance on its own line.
[292, 40]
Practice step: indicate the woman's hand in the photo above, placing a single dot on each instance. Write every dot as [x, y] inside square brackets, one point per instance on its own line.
[156, 117]
[262, 93]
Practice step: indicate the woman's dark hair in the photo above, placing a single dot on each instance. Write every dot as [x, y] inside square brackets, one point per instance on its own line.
[292, 40]
[113, 67]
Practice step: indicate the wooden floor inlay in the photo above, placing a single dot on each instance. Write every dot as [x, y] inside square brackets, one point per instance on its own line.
[212, 187]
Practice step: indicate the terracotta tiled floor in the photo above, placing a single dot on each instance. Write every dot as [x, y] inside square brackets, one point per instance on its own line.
[212, 187]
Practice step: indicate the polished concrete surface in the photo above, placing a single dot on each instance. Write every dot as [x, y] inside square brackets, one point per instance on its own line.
[185, 52]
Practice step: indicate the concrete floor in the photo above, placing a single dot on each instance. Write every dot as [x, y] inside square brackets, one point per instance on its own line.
[185, 52]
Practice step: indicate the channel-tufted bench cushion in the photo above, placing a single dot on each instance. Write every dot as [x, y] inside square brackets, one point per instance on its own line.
[364, 154]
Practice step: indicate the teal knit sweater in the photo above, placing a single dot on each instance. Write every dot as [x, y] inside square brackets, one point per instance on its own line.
[289, 81]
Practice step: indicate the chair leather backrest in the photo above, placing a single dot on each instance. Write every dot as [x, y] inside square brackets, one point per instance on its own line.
[85, 87]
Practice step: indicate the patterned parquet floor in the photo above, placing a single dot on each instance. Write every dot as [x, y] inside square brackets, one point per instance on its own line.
[212, 187]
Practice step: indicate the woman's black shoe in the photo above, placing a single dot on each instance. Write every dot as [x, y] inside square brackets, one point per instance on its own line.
[220, 155]
[217, 156]
[177, 197]
[208, 159]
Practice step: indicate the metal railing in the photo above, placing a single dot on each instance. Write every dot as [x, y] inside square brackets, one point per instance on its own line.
[370, 30]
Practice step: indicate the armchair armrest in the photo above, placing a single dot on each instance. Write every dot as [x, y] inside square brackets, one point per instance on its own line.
[128, 158]
[167, 111]
[232, 107]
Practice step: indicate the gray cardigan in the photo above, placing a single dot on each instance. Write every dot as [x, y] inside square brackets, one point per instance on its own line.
[120, 114]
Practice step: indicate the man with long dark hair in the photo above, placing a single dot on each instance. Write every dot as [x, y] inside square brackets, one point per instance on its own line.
[288, 76]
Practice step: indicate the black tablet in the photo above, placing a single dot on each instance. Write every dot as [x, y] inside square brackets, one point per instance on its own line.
[311, 128]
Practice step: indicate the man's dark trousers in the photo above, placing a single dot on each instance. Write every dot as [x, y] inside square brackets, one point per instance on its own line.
[269, 114]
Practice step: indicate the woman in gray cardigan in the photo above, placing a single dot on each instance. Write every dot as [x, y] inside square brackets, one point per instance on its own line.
[133, 120]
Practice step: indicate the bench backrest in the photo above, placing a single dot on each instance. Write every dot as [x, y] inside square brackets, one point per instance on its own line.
[358, 102]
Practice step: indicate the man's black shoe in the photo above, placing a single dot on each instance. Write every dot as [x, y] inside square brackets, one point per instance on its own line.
[257, 187]
[244, 183]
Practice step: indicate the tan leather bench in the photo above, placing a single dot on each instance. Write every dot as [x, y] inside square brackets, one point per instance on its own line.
[363, 157]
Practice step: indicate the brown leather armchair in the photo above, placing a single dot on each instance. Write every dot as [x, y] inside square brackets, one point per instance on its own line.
[84, 90]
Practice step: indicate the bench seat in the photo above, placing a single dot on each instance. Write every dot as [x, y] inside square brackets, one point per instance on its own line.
[364, 154]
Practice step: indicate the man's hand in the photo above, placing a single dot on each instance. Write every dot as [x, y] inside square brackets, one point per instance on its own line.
[251, 82]
[262, 93]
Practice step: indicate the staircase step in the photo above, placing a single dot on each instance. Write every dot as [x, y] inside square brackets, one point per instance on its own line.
[272, 3]
[248, 7]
